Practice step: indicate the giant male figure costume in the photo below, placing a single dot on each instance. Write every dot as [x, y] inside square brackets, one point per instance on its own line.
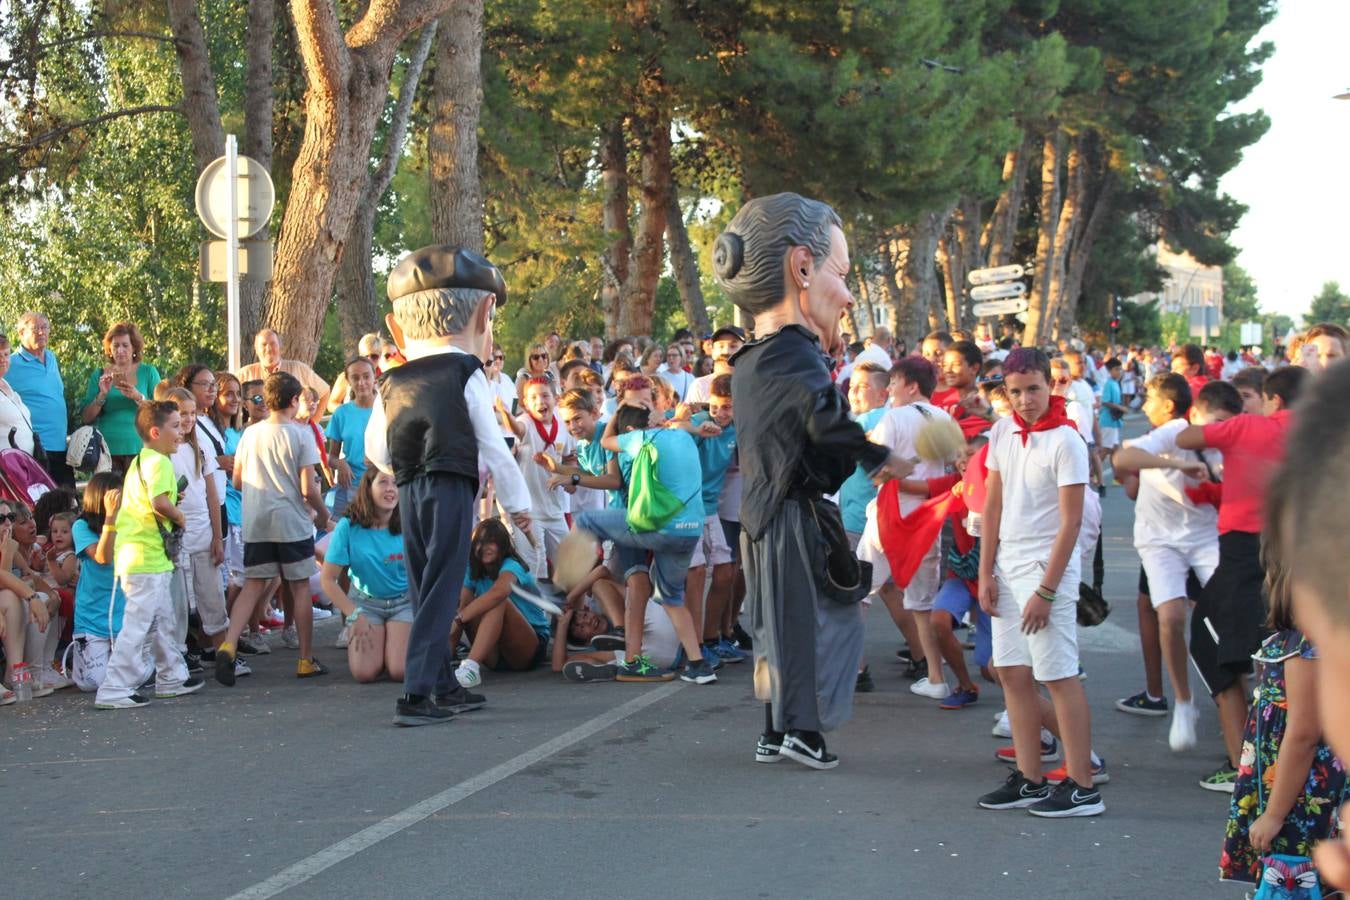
[784, 260]
[431, 424]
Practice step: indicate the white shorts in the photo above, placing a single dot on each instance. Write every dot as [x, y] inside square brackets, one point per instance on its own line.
[712, 548]
[922, 587]
[1110, 437]
[1167, 567]
[1052, 652]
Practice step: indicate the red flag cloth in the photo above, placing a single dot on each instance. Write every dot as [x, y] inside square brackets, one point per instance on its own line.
[972, 488]
[1053, 418]
[1206, 492]
[907, 539]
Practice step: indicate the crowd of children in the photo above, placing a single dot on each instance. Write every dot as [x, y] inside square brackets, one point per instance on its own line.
[220, 533]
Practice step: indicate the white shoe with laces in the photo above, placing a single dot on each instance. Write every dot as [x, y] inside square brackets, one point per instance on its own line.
[468, 674]
[290, 639]
[344, 638]
[925, 688]
[53, 679]
[1002, 728]
[1181, 736]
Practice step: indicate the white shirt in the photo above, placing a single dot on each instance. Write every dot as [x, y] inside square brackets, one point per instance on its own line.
[1081, 415]
[1032, 476]
[898, 429]
[701, 389]
[504, 388]
[510, 486]
[14, 415]
[197, 530]
[545, 503]
[212, 442]
[1163, 515]
[679, 380]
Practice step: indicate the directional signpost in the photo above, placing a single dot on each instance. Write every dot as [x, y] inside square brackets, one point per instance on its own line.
[998, 291]
[235, 197]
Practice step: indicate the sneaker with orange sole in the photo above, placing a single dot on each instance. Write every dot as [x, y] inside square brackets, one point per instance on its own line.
[1099, 773]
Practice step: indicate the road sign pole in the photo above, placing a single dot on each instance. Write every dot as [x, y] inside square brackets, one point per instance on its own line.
[232, 250]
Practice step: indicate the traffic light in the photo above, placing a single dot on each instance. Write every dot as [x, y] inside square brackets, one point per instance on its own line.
[1115, 313]
[1115, 324]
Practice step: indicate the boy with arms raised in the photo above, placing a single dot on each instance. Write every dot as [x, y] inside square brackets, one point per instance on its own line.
[539, 431]
[1029, 576]
[149, 495]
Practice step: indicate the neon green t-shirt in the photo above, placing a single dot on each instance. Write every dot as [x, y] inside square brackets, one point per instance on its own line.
[140, 549]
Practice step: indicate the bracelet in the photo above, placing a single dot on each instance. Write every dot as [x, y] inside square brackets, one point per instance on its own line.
[356, 614]
[110, 528]
[1047, 595]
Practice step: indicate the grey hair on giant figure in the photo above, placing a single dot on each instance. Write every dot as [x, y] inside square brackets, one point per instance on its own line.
[440, 311]
[750, 256]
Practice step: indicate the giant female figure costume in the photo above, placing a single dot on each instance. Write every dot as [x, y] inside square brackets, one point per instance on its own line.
[796, 444]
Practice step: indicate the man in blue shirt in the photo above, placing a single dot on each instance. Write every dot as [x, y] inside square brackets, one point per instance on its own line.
[1112, 414]
[35, 375]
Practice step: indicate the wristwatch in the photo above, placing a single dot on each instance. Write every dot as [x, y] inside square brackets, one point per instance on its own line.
[576, 479]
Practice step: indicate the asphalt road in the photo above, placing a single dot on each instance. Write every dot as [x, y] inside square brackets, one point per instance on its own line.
[609, 790]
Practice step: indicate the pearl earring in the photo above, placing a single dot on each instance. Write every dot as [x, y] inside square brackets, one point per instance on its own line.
[805, 285]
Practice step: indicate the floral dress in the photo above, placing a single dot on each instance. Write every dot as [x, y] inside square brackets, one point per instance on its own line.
[1314, 815]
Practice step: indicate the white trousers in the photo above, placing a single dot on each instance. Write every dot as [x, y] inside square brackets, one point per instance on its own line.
[149, 617]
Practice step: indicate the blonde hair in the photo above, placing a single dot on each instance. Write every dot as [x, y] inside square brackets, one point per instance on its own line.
[179, 396]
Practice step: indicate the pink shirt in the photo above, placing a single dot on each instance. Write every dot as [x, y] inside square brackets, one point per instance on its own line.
[1252, 447]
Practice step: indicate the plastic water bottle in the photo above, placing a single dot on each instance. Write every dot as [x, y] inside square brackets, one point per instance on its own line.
[23, 682]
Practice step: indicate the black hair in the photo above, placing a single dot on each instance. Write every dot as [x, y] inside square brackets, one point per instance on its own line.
[1253, 378]
[1174, 387]
[968, 351]
[1220, 395]
[630, 418]
[1285, 383]
[491, 531]
[919, 372]
[280, 390]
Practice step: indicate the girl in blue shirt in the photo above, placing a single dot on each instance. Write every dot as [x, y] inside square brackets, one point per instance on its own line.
[98, 604]
[367, 544]
[504, 635]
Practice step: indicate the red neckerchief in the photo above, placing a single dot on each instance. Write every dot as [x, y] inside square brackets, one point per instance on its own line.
[548, 437]
[1053, 418]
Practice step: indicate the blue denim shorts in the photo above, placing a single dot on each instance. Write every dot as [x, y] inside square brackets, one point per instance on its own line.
[670, 554]
[398, 609]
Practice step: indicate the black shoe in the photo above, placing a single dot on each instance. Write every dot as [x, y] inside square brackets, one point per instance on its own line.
[796, 747]
[698, 672]
[865, 685]
[916, 670]
[246, 647]
[193, 660]
[207, 654]
[1016, 793]
[460, 700]
[768, 749]
[412, 711]
[905, 655]
[743, 639]
[225, 667]
[582, 672]
[612, 641]
[1068, 800]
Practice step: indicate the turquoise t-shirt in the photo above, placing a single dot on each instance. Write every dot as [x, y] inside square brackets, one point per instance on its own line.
[677, 467]
[714, 456]
[858, 490]
[117, 419]
[1110, 394]
[348, 428]
[594, 460]
[373, 557]
[234, 502]
[94, 588]
[537, 618]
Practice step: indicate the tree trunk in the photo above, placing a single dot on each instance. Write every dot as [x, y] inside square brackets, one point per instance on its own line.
[1065, 231]
[652, 124]
[1081, 251]
[614, 218]
[685, 264]
[996, 244]
[958, 254]
[865, 292]
[201, 105]
[257, 144]
[1048, 215]
[348, 78]
[919, 274]
[452, 138]
[358, 306]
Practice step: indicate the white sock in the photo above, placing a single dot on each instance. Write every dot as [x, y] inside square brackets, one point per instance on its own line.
[1094, 758]
[1046, 736]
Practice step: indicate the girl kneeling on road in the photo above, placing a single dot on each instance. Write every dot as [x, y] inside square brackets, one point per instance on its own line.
[368, 545]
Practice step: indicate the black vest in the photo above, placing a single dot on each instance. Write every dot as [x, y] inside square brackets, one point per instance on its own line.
[429, 430]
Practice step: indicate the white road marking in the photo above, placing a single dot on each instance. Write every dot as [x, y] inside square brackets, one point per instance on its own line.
[348, 847]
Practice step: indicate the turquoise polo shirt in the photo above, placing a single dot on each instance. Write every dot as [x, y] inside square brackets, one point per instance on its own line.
[38, 382]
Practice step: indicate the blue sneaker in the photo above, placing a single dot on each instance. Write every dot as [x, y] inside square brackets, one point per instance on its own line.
[681, 659]
[729, 652]
[959, 699]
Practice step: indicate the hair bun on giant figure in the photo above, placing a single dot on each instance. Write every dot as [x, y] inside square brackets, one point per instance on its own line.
[728, 254]
[445, 266]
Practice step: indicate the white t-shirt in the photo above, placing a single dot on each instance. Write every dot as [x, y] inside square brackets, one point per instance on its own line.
[679, 380]
[700, 391]
[544, 503]
[898, 429]
[504, 388]
[197, 533]
[659, 641]
[1163, 515]
[1082, 417]
[1032, 476]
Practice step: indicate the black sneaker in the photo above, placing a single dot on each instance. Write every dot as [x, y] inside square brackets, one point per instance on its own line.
[1141, 705]
[582, 672]
[207, 654]
[769, 746]
[743, 639]
[193, 660]
[614, 640]
[225, 667]
[916, 670]
[460, 700]
[1068, 800]
[796, 747]
[135, 701]
[698, 672]
[904, 655]
[410, 712]
[1017, 793]
[865, 685]
[191, 686]
[247, 647]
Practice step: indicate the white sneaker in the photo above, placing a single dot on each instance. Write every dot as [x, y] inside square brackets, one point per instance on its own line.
[289, 638]
[1002, 728]
[241, 668]
[1181, 736]
[344, 638]
[321, 613]
[54, 679]
[925, 688]
[468, 675]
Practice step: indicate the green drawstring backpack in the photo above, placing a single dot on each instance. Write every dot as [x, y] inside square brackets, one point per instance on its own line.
[650, 503]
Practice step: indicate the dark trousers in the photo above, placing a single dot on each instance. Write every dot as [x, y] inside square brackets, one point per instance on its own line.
[61, 473]
[436, 513]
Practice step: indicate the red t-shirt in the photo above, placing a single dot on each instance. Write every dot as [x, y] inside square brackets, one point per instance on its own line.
[1252, 447]
[1196, 382]
[945, 397]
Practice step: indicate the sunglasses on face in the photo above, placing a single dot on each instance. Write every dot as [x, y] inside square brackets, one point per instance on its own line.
[498, 357]
[374, 356]
[8, 517]
[256, 398]
[538, 356]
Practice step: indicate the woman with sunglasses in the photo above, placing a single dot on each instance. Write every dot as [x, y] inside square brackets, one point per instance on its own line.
[537, 365]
